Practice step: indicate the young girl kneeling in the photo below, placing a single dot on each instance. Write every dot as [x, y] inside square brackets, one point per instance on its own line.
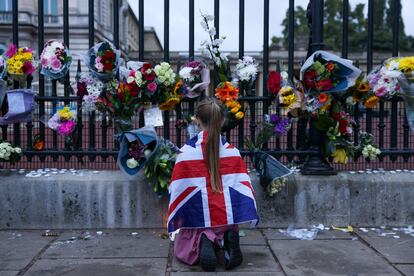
[210, 194]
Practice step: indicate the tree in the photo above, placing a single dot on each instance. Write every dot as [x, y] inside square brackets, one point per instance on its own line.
[357, 27]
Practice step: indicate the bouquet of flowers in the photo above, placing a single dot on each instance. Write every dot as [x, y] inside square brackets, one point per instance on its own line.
[121, 102]
[228, 94]
[325, 72]
[89, 88]
[20, 63]
[55, 60]
[225, 91]
[141, 81]
[159, 169]
[402, 70]
[211, 47]
[136, 148]
[246, 72]
[273, 83]
[195, 76]
[168, 93]
[369, 150]
[289, 97]
[273, 125]
[103, 60]
[63, 121]
[8, 153]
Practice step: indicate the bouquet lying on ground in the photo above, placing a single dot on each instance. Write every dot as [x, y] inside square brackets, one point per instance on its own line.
[63, 121]
[225, 91]
[195, 76]
[20, 63]
[8, 153]
[103, 60]
[55, 60]
[159, 169]
[136, 148]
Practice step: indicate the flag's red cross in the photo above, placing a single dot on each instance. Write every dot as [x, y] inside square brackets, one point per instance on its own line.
[216, 202]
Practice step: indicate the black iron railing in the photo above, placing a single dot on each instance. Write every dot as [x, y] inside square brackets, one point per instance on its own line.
[94, 143]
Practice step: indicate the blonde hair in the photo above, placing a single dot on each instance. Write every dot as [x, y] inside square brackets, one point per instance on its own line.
[210, 112]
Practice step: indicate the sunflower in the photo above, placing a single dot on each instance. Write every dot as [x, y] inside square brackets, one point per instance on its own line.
[225, 91]
[371, 102]
[177, 88]
[170, 103]
[406, 64]
[233, 104]
[363, 87]
[239, 115]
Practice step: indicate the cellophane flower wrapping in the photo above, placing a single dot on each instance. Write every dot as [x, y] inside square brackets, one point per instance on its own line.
[345, 73]
[148, 142]
[20, 63]
[103, 60]
[55, 60]
[196, 78]
[63, 121]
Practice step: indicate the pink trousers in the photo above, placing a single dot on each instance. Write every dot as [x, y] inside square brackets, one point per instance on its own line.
[187, 241]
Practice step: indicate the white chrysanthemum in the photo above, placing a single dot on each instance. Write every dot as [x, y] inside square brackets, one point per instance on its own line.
[247, 73]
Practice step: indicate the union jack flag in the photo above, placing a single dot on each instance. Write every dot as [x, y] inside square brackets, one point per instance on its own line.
[194, 204]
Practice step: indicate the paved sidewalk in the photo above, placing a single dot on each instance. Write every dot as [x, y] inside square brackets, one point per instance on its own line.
[147, 252]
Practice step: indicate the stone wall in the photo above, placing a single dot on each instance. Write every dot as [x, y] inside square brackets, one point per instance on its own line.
[109, 199]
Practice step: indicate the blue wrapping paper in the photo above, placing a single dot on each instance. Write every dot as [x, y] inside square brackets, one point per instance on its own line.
[21, 105]
[146, 136]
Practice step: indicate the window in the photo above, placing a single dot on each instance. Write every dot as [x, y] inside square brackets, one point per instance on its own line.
[6, 5]
[50, 10]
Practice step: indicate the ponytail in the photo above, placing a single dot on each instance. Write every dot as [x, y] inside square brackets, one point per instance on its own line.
[211, 115]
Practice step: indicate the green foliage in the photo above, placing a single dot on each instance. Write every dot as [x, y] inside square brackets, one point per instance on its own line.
[159, 169]
[357, 27]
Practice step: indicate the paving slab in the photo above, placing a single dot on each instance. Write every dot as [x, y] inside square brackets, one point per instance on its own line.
[329, 257]
[229, 273]
[17, 248]
[399, 250]
[275, 234]
[99, 267]
[406, 269]
[8, 273]
[117, 244]
[252, 237]
[255, 259]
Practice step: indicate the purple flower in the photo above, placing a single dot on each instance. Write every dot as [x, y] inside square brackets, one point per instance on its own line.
[282, 127]
[274, 119]
[381, 92]
[136, 150]
[66, 128]
[11, 51]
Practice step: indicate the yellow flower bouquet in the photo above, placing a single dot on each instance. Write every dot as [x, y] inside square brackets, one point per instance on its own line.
[20, 62]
